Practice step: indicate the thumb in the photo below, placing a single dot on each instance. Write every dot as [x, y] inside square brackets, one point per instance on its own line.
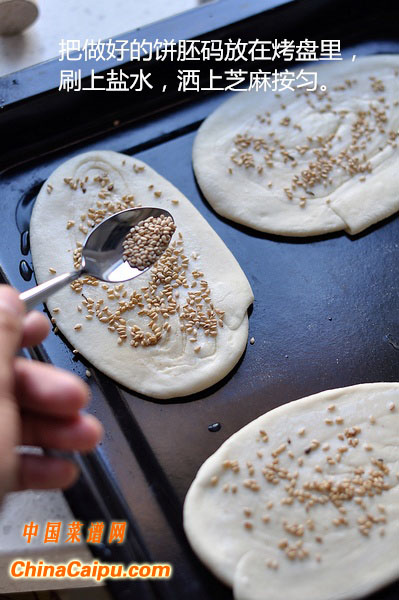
[11, 325]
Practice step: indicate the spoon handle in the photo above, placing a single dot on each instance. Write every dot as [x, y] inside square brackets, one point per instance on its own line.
[40, 293]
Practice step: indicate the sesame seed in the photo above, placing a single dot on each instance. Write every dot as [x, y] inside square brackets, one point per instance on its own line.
[279, 450]
[252, 341]
[78, 326]
[251, 484]
[266, 518]
[147, 240]
[272, 564]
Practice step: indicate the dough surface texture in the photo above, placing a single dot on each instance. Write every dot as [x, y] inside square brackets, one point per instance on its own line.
[304, 163]
[175, 330]
[303, 502]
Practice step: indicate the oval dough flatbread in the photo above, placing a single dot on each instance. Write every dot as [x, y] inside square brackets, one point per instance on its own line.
[304, 501]
[172, 331]
[306, 163]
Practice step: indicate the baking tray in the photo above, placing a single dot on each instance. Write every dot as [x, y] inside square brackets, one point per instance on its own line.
[326, 310]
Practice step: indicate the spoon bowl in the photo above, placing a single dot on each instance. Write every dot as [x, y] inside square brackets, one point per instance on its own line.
[103, 249]
[102, 254]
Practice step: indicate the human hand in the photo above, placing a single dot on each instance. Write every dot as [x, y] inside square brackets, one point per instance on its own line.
[39, 406]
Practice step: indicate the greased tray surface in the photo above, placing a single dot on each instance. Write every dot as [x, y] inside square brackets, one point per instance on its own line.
[326, 315]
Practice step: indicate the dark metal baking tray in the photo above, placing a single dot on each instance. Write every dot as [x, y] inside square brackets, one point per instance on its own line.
[326, 310]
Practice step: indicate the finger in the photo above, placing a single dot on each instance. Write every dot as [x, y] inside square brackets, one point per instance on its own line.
[44, 389]
[9, 438]
[36, 327]
[80, 434]
[45, 473]
[11, 312]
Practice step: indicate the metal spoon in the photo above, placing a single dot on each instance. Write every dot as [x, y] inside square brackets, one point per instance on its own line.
[101, 254]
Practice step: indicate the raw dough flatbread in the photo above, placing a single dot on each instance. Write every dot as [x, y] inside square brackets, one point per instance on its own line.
[175, 366]
[342, 441]
[360, 108]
